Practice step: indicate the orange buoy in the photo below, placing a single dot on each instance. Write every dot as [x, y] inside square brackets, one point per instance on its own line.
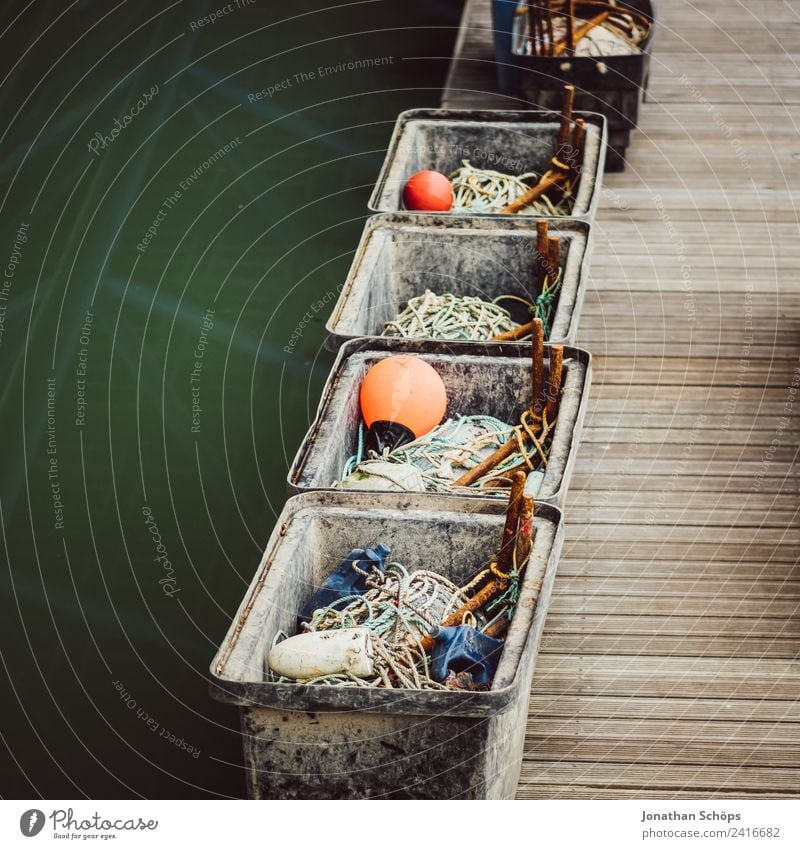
[428, 191]
[402, 398]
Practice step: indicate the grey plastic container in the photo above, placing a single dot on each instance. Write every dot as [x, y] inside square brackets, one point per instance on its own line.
[316, 741]
[493, 379]
[402, 255]
[513, 142]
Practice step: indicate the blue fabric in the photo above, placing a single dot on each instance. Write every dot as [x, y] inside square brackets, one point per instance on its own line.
[463, 649]
[502, 23]
[345, 581]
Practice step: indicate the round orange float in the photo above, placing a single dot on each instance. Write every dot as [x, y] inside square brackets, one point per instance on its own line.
[428, 191]
[402, 398]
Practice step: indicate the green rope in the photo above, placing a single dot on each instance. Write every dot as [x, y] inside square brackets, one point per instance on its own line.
[544, 306]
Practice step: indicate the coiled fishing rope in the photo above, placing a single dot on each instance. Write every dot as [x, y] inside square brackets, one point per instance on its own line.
[483, 190]
[443, 455]
[449, 317]
[400, 609]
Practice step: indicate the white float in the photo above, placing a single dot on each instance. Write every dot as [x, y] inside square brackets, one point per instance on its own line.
[319, 653]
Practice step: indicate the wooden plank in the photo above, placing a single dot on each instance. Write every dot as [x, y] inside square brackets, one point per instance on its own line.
[647, 532]
[657, 752]
[709, 393]
[698, 587]
[666, 605]
[660, 416]
[680, 646]
[646, 625]
[669, 465]
[578, 791]
[710, 779]
[746, 440]
[666, 752]
[725, 573]
[675, 709]
[745, 678]
[656, 480]
[745, 516]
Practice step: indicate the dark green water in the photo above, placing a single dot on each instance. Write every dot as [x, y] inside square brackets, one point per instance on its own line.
[188, 259]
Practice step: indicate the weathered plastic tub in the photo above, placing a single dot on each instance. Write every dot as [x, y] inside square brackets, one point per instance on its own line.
[513, 142]
[494, 379]
[614, 86]
[402, 255]
[314, 741]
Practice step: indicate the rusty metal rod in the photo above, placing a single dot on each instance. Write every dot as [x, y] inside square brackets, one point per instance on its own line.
[570, 20]
[537, 367]
[525, 531]
[553, 255]
[503, 482]
[486, 465]
[483, 596]
[537, 406]
[554, 381]
[518, 519]
[577, 143]
[554, 176]
[508, 542]
[514, 334]
[581, 32]
[541, 250]
[497, 628]
[550, 36]
[566, 117]
[548, 181]
[525, 538]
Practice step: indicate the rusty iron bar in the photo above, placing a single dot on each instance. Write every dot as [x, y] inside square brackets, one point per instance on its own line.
[537, 406]
[554, 374]
[553, 255]
[514, 334]
[508, 543]
[570, 20]
[555, 175]
[581, 32]
[483, 596]
[542, 251]
[548, 181]
[537, 367]
[486, 465]
[525, 538]
[550, 36]
[578, 139]
[566, 116]
[525, 531]
[519, 518]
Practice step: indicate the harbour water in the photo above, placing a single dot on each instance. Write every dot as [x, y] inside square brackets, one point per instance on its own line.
[183, 192]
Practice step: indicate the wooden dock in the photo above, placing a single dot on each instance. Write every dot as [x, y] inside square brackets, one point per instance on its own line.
[670, 664]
